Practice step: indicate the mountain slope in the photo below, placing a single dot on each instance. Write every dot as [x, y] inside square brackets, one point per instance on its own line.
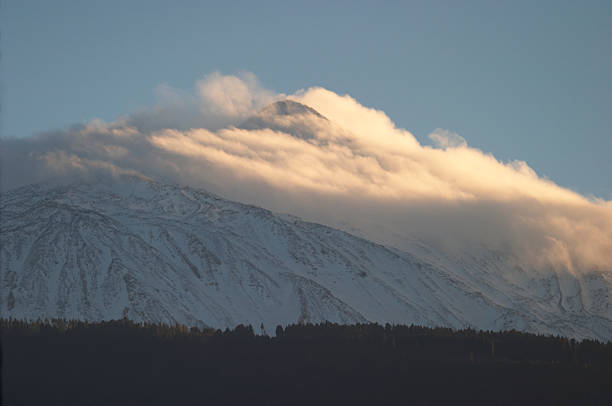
[164, 253]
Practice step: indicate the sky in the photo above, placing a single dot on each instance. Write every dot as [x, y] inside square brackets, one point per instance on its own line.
[475, 129]
[519, 80]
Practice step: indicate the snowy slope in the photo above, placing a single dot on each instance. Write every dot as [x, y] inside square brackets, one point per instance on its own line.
[155, 252]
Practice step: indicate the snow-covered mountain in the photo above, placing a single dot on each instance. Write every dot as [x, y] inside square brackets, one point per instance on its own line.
[156, 252]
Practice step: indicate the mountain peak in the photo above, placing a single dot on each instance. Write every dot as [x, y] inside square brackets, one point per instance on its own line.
[288, 108]
[287, 116]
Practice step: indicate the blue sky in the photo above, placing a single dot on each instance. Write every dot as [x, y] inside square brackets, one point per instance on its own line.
[520, 80]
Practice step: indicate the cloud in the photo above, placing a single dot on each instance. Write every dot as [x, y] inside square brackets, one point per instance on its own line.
[233, 96]
[217, 101]
[447, 139]
[348, 166]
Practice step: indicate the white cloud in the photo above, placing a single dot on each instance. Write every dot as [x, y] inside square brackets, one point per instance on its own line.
[355, 168]
[447, 139]
[232, 96]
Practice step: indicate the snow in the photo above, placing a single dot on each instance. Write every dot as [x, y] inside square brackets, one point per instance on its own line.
[165, 253]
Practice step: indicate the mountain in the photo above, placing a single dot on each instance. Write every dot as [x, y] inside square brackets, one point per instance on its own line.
[132, 247]
[290, 117]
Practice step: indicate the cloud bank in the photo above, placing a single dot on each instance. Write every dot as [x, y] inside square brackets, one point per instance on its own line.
[342, 164]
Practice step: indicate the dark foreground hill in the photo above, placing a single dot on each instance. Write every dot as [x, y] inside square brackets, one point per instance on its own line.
[121, 362]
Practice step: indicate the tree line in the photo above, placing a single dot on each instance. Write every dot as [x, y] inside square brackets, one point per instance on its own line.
[123, 362]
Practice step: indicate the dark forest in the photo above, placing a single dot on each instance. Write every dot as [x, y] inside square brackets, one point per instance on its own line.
[125, 363]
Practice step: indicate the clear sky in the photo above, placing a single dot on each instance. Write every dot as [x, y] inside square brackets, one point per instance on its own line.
[521, 80]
